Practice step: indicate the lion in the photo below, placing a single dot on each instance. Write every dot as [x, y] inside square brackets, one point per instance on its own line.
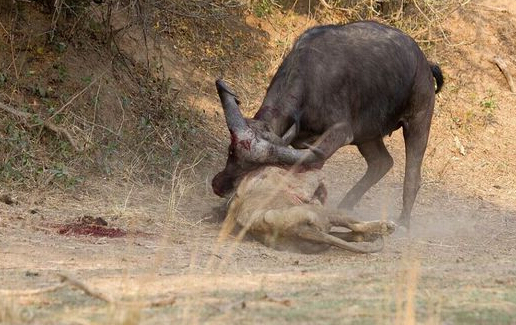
[285, 210]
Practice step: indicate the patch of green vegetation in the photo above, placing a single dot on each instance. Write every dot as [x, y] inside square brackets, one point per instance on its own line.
[86, 79]
[18, 158]
[489, 105]
[22, 163]
[3, 79]
[482, 316]
[259, 67]
[493, 305]
[510, 295]
[263, 8]
[39, 90]
[62, 72]
[60, 47]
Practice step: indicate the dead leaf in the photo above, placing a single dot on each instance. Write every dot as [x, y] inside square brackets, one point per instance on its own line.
[285, 302]
[7, 199]
[459, 146]
[239, 304]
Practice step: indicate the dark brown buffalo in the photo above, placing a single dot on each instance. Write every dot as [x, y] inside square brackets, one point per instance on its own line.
[339, 85]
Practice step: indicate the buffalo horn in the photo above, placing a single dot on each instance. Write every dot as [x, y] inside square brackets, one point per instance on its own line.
[234, 118]
[290, 156]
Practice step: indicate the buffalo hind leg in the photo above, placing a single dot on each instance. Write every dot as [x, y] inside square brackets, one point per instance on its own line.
[379, 162]
[330, 141]
[415, 133]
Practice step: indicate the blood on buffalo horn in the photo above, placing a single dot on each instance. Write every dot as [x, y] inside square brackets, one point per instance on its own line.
[261, 150]
[234, 118]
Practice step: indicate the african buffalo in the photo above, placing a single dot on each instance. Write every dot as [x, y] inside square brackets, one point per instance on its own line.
[339, 85]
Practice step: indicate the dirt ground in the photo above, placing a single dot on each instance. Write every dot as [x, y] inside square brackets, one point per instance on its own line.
[457, 265]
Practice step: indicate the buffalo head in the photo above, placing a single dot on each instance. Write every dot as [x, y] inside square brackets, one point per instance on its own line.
[253, 144]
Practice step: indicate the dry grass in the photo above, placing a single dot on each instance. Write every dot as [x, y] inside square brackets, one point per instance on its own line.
[100, 109]
[248, 283]
[117, 117]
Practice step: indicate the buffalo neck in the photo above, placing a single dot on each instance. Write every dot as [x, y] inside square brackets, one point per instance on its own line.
[278, 119]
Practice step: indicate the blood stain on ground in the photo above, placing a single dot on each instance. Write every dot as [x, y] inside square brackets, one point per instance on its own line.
[90, 230]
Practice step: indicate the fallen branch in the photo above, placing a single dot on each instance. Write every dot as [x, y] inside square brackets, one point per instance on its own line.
[490, 8]
[505, 70]
[330, 7]
[74, 97]
[325, 4]
[85, 289]
[47, 124]
[281, 301]
[7, 292]
[99, 295]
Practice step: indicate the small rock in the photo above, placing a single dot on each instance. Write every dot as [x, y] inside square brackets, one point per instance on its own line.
[7, 199]
[89, 220]
[31, 273]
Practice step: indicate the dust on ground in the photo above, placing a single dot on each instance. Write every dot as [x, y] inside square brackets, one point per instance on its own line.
[457, 266]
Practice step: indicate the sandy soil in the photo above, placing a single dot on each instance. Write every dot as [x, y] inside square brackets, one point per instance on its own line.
[456, 267]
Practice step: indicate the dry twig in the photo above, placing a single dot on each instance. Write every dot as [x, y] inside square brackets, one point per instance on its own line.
[101, 296]
[490, 8]
[505, 70]
[30, 292]
[74, 97]
[47, 124]
[81, 286]
[325, 4]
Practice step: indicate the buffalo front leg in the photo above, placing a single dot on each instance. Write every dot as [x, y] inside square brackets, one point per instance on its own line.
[379, 162]
[330, 141]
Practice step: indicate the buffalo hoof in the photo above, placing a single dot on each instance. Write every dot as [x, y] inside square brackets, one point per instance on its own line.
[402, 228]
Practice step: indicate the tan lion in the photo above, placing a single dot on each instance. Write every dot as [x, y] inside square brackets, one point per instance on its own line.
[286, 211]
